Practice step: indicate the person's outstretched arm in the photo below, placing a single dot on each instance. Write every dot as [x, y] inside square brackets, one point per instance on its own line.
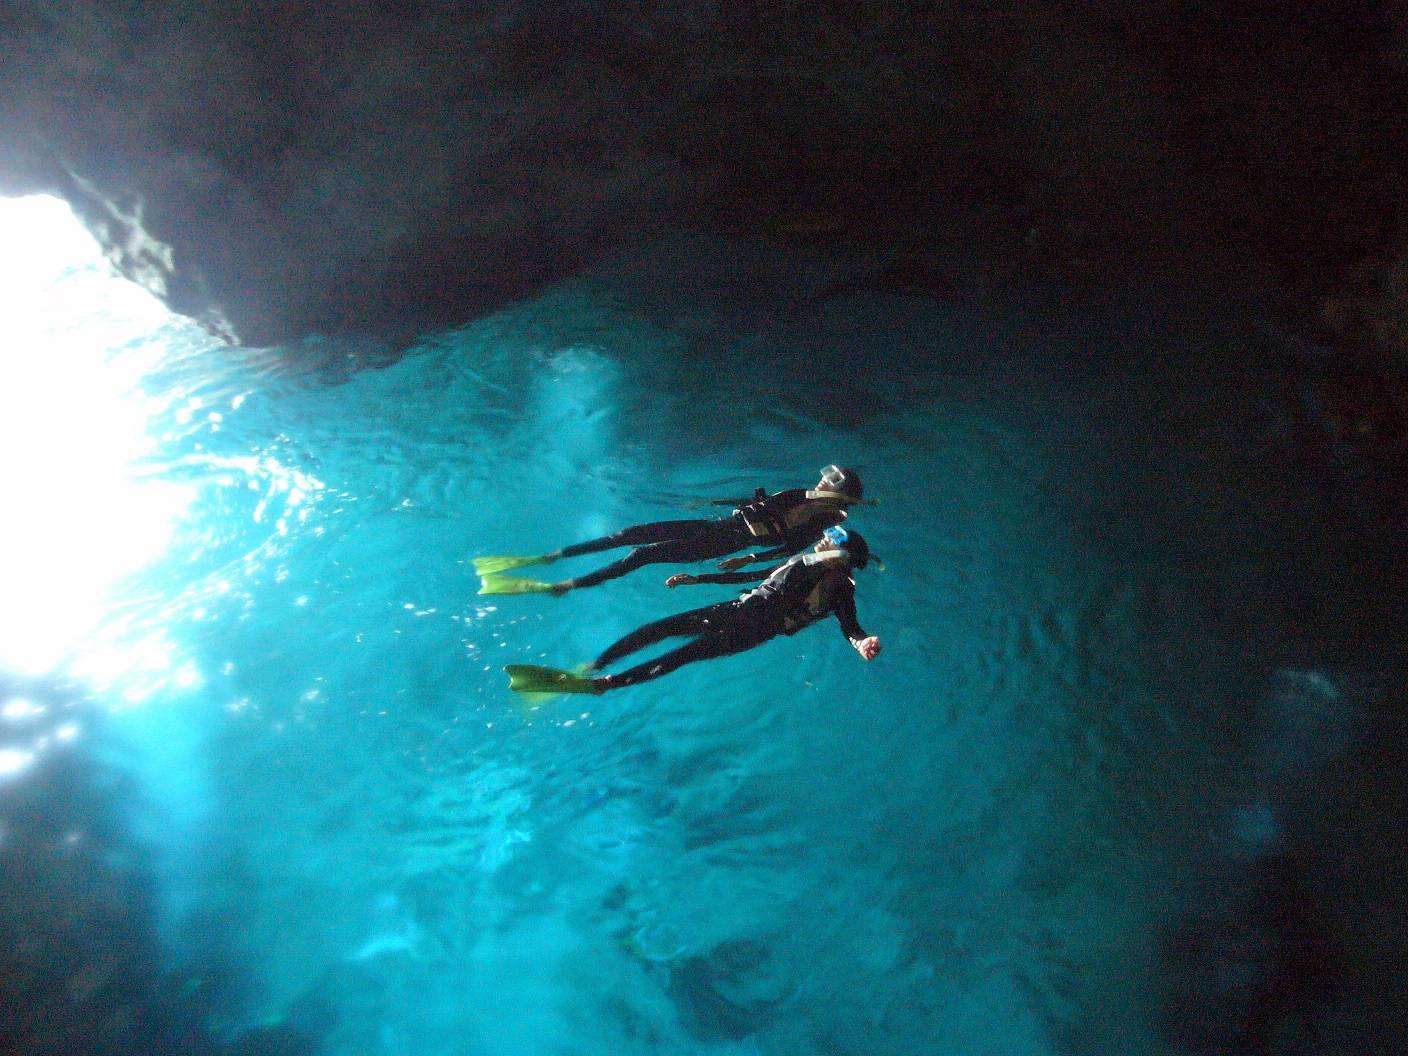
[868, 645]
[682, 579]
[728, 564]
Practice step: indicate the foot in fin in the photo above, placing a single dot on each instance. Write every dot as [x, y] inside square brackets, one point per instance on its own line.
[493, 583]
[531, 678]
[485, 566]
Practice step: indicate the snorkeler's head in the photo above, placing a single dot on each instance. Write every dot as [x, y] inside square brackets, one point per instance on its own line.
[852, 542]
[844, 483]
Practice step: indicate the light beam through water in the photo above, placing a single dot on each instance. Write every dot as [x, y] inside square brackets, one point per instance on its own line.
[73, 427]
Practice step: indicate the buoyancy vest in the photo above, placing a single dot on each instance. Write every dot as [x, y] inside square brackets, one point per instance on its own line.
[805, 589]
[794, 517]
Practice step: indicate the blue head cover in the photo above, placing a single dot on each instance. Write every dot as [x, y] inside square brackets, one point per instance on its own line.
[857, 549]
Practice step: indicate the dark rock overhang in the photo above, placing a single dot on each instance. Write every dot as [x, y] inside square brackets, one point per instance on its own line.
[284, 168]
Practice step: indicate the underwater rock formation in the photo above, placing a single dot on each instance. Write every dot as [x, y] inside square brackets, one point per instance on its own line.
[1258, 960]
[1370, 309]
[82, 968]
[1295, 943]
[280, 169]
[1341, 417]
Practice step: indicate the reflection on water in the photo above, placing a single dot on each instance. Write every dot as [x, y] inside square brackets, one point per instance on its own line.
[74, 426]
[273, 754]
[105, 416]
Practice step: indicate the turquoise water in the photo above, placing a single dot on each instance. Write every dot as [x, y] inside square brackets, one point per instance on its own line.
[334, 821]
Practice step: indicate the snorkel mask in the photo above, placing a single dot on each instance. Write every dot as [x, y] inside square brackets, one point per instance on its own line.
[856, 549]
[837, 483]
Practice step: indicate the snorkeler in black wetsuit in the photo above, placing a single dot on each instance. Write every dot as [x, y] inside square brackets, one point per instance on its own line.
[787, 522]
[806, 588]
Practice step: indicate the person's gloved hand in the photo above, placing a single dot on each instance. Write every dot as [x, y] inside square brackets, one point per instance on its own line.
[869, 648]
[681, 579]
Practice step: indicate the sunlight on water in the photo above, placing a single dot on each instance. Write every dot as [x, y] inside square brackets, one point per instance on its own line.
[252, 576]
[73, 426]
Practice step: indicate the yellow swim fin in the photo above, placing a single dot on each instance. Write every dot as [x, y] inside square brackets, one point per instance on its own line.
[548, 682]
[497, 584]
[485, 566]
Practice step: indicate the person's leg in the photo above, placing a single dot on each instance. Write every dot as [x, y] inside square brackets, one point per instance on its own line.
[636, 535]
[714, 539]
[695, 621]
[705, 647]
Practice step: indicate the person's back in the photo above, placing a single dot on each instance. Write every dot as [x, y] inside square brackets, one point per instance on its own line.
[794, 518]
[807, 588]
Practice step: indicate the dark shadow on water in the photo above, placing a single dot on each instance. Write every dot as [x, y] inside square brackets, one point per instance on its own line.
[81, 965]
[708, 992]
[1294, 943]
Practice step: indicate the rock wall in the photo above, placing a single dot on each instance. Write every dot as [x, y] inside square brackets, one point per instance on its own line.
[280, 168]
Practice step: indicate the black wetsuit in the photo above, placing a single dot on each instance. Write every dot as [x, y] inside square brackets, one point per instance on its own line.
[807, 588]
[787, 522]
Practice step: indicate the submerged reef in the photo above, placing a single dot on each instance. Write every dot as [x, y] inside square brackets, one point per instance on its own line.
[281, 169]
[1293, 944]
[82, 964]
